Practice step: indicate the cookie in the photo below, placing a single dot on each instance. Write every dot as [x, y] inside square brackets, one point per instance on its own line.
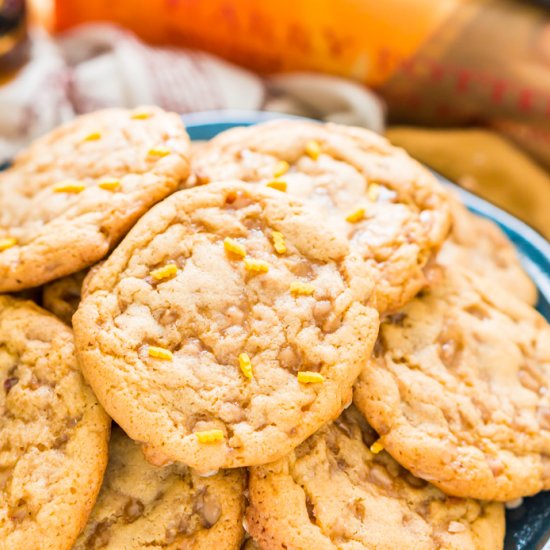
[70, 197]
[144, 506]
[226, 328]
[481, 246]
[390, 208]
[62, 296]
[459, 389]
[53, 433]
[334, 492]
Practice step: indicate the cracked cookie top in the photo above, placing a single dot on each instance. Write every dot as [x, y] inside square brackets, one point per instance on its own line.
[391, 209]
[459, 389]
[53, 433]
[340, 490]
[227, 327]
[145, 506]
[69, 198]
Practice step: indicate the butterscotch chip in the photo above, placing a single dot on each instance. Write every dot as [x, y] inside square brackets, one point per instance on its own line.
[62, 296]
[216, 311]
[53, 433]
[144, 506]
[59, 201]
[399, 212]
[481, 246]
[459, 389]
[332, 492]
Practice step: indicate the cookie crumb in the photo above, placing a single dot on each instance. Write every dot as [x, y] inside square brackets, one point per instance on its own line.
[159, 151]
[281, 168]
[256, 266]
[304, 289]
[109, 184]
[231, 245]
[165, 272]
[69, 187]
[376, 447]
[279, 185]
[309, 377]
[313, 149]
[92, 136]
[6, 243]
[245, 365]
[278, 242]
[160, 353]
[356, 216]
[209, 436]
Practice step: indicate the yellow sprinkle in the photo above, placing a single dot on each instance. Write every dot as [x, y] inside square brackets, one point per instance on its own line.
[373, 192]
[6, 243]
[308, 377]
[69, 187]
[209, 436]
[313, 149]
[279, 185]
[278, 242]
[109, 184]
[257, 266]
[164, 272]
[93, 136]
[159, 151]
[281, 168]
[305, 289]
[376, 447]
[160, 353]
[245, 365]
[141, 114]
[356, 216]
[231, 245]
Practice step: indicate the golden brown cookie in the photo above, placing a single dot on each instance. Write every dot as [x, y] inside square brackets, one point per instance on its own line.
[62, 296]
[479, 245]
[227, 327]
[144, 506]
[459, 389]
[334, 492]
[53, 433]
[392, 210]
[70, 197]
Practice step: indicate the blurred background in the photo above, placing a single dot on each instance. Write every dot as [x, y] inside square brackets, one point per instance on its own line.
[463, 85]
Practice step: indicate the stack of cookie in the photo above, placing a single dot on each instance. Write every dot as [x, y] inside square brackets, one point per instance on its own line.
[241, 296]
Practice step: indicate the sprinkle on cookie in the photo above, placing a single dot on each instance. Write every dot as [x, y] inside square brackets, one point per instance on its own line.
[376, 447]
[159, 151]
[92, 136]
[281, 168]
[279, 185]
[209, 436]
[140, 114]
[160, 353]
[165, 272]
[69, 187]
[245, 365]
[7, 242]
[302, 289]
[278, 242]
[313, 149]
[309, 377]
[356, 216]
[109, 184]
[256, 266]
[232, 246]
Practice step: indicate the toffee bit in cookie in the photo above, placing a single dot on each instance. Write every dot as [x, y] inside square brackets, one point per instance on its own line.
[281, 168]
[165, 272]
[7, 242]
[245, 365]
[159, 151]
[160, 353]
[92, 136]
[209, 436]
[309, 377]
[279, 185]
[109, 184]
[9, 383]
[303, 289]
[278, 242]
[373, 192]
[69, 187]
[256, 266]
[376, 447]
[356, 216]
[313, 149]
[231, 245]
[456, 527]
[141, 114]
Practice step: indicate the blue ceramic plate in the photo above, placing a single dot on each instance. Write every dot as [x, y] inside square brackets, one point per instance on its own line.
[527, 527]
